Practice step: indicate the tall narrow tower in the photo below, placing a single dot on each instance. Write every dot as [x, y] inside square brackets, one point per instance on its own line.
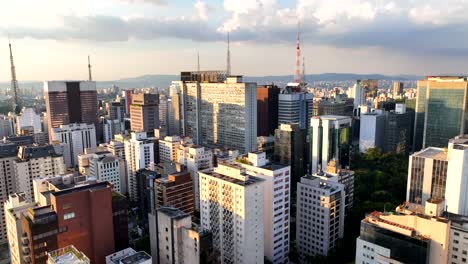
[303, 70]
[198, 61]
[14, 83]
[297, 71]
[228, 63]
[90, 78]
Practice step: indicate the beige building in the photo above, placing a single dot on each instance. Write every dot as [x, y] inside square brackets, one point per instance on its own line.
[168, 148]
[144, 112]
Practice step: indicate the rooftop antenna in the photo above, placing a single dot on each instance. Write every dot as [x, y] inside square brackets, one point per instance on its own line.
[14, 82]
[89, 69]
[303, 70]
[297, 71]
[228, 63]
[198, 61]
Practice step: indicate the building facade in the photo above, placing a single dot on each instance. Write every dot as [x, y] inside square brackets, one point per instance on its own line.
[295, 107]
[144, 112]
[267, 109]
[175, 191]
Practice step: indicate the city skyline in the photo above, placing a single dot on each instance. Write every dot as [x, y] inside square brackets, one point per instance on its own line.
[128, 38]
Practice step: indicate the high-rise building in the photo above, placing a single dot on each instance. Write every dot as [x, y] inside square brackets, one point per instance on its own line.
[163, 111]
[231, 207]
[144, 112]
[440, 111]
[104, 166]
[168, 148]
[267, 145]
[29, 118]
[36, 162]
[139, 154]
[111, 128]
[372, 130]
[175, 191]
[16, 204]
[320, 216]
[398, 127]
[458, 239]
[175, 239]
[69, 213]
[219, 114]
[409, 236]
[120, 220]
[276, 204]
[175, 109]
[69, 102]
[8, 181]
[146, 191]
[195, 158]
[77, 137]
[397, 89]
[290, 149]
[329, 138]
[267, 109]
[333, 106]
[295, 107]
[7, 127]
[116, 111]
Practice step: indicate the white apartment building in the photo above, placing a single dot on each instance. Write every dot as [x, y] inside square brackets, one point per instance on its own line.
[78, 137]
[320, 216]
[8, 178]
[14, 206]
[195, 158]
[168, 148]
[106, 167]
[276, 204]
[456, 194]
[36, 162]
[330, 138]
[175, 241]
[231, 207]
[29, 118]
[458, 241]
[139, 154]
[218, 114]
[111, 128]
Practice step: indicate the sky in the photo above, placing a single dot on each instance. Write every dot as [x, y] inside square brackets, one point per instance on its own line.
[126, 38]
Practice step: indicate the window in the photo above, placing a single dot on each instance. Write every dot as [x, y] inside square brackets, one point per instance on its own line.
[69, 216]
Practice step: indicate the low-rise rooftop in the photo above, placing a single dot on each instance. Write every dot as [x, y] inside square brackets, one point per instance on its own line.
[432, 153]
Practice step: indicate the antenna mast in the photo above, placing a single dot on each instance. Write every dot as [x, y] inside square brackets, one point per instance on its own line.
[14, 82]
[228, 63]
[90, 78]
[198, 61]
[297, 71]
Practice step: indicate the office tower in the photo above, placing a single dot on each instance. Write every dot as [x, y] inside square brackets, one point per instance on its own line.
[104, 166]
[267, 109]
[68, 254]
[15, 205]
[329, 138]
[231, 207]
[409, 236]
[163, 111]
[440, 111]
[195, 158]
[116, 111]
[267, 145]
[36, 162]
[168, 148]
[276, 193]
[398, 127]
[129, 256]
[69, 102]
[290, 149]
[204, 76]
[344, 176]
[120, 221]
[77, 138]
[320, 216]
[139, 154]
[70, 213]
[357, 93]
[397, 89]
[29, 118]
[458, 239]
[8, 181]
[175, 191]
[127, 100]
[175, 239]
[219, 114]
[145, 185]
[333, 106]
[175, 109]
[111, 128]
[372, 130]
[295, 107]
[144, 112]
[7, 127]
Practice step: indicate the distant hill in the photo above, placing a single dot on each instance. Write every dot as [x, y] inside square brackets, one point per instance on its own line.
[165, 80]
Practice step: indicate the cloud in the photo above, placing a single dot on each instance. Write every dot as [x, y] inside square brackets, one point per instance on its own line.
[202, 9]
[154, 2]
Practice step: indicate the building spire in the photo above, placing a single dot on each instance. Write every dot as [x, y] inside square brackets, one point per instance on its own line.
[198, 61]
[228, 62]
[90, 78]
[14, 82]
[297, 70]
[303, 70]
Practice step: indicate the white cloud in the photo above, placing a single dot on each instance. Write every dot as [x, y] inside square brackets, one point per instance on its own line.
[202, 10]
[153, 2]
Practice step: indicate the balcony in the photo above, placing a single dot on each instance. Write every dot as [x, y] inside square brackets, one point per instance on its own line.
[24, 240]
[25, 250]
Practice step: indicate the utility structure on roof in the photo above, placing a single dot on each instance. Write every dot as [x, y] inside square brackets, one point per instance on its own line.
[228, 62]
[14, 83]
[90, 78]
[297, 71]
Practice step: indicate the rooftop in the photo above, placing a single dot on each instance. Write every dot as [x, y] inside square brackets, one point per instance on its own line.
[68, 255]
[136, 258]
[432, 153]
[250, 180]
[87, 187]
[172, 212]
